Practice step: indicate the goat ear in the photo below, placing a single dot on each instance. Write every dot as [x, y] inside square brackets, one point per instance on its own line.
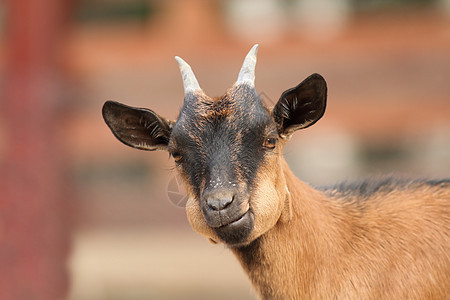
[301, 106]
[137, 127]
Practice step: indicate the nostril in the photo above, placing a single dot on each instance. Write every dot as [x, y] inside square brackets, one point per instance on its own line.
[225, 202]
[219, 203]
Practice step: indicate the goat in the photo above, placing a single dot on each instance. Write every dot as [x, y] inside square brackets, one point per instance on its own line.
[379, 239]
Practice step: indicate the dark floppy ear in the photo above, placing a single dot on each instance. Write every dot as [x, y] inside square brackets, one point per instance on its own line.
[137, 127]
[301, 106]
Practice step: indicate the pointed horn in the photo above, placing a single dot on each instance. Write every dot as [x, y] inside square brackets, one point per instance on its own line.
[190, 83]
[247, 73]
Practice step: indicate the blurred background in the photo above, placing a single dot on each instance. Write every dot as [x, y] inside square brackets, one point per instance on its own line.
[84, 217]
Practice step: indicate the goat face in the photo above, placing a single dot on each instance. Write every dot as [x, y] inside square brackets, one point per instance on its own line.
[227, 149]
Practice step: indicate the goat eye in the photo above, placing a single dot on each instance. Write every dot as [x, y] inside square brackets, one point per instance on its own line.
[270, 143]
[177, 157]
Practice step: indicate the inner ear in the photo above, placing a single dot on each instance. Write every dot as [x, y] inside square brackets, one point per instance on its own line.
[301, 106]
[137, 127]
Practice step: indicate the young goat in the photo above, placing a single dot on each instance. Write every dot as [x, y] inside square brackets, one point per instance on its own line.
[387, 239]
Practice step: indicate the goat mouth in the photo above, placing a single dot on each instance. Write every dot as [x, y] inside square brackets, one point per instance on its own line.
[237, 221]
[236, 232]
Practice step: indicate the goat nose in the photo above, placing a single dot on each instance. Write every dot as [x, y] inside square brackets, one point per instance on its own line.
[219, 201]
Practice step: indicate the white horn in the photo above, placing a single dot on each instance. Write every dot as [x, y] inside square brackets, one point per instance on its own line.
[247, 73]
[190, 83]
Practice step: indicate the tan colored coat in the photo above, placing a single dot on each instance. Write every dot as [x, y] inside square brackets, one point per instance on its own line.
[393, 245]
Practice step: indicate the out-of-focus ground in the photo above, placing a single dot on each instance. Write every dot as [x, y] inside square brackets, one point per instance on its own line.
[388, 75]
[152, 263]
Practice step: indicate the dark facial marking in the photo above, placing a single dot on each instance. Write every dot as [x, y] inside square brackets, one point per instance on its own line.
[223, 137]
[222, 144]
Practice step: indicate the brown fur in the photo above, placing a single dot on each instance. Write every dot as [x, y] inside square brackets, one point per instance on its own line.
[295, 242]
[307, 244]
[397, 248]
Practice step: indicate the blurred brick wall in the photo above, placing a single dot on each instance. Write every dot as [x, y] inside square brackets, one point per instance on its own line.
[33, 210]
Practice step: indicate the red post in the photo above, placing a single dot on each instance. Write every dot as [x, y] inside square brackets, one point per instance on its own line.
[33, 220]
